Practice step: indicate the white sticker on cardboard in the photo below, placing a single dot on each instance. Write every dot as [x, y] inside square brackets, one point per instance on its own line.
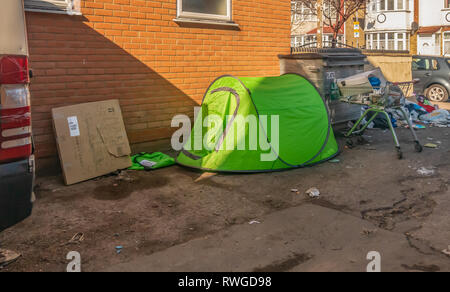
[73, 126]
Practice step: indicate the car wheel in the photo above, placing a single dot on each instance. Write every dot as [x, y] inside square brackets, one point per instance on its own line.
[437, 93]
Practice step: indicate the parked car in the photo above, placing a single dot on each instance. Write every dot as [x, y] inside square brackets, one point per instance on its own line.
[16, 150]
[433, 73]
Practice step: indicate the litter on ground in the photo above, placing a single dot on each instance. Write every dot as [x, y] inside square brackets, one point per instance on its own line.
[430, 145]
[8, 257]
[151, 161]
[313, 193]
[369, 232]
[76, 239]
[425, 171]
[447, 251]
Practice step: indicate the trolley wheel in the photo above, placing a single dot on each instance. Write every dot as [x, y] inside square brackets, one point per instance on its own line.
[350, 143]
[399, 154]
[418, 147]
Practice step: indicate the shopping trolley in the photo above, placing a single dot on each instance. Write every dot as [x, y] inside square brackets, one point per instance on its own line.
[386, 95]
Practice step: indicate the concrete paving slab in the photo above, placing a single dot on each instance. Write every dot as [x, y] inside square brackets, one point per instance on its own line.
[304, 238]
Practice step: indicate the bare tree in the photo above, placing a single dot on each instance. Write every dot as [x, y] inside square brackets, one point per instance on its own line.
[336, 12]
[296, 15]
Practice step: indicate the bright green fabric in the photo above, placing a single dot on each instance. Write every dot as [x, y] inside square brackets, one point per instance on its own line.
[305, 132]
[147, 161]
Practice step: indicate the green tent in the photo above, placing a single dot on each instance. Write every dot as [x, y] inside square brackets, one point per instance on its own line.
[286, 113]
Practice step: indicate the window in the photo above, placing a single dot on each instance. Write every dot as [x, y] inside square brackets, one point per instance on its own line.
[373, 5]
[437, 43]
[446, 43]
[402, 42]
[425, 64]
[300, 13]
[383, 41]
[205, 9]
[71, 7]
[398, 41]
[297, 41]
[420, 64]
[329, 10]
[310, 41]
[434, 64]
[376, 45]
[391, 41]
[392, 5]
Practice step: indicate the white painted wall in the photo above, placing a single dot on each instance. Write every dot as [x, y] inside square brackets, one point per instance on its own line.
[399, 20]
[432, 13]
[425, 45]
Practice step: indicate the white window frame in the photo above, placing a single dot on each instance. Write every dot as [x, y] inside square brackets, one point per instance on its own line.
[401, 37]
[374, 6]
[405, 4]
[73, 8]
[204, 16]
[306, 14]
[446, 42]
[379, 44]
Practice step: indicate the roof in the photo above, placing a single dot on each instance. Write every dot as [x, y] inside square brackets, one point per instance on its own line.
[326, 30]
[433, 29]
[429, 29]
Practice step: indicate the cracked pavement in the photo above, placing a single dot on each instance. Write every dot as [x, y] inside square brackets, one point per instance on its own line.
[166, 221]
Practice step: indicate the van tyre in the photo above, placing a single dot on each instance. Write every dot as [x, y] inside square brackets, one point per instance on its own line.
[437, 93]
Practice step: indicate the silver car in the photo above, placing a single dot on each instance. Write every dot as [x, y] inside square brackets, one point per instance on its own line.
[433, 73]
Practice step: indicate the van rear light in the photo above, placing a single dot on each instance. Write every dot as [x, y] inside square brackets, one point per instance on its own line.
[12, 154]
[15, 122]
[16, 143]
[16, 132]
[14, 96]
[14, 70]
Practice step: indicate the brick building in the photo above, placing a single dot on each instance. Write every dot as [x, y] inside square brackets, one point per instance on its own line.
[354, 30]
[305, 22]
[156, 56]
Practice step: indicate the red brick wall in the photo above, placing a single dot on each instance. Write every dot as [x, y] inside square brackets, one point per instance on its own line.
[132, 50]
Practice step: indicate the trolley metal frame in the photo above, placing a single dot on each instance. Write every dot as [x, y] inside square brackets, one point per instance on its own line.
[377, 109]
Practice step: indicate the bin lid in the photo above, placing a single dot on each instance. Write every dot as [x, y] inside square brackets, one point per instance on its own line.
[331, 56]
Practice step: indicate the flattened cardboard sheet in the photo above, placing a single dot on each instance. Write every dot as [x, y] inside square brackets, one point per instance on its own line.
[91, 140]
